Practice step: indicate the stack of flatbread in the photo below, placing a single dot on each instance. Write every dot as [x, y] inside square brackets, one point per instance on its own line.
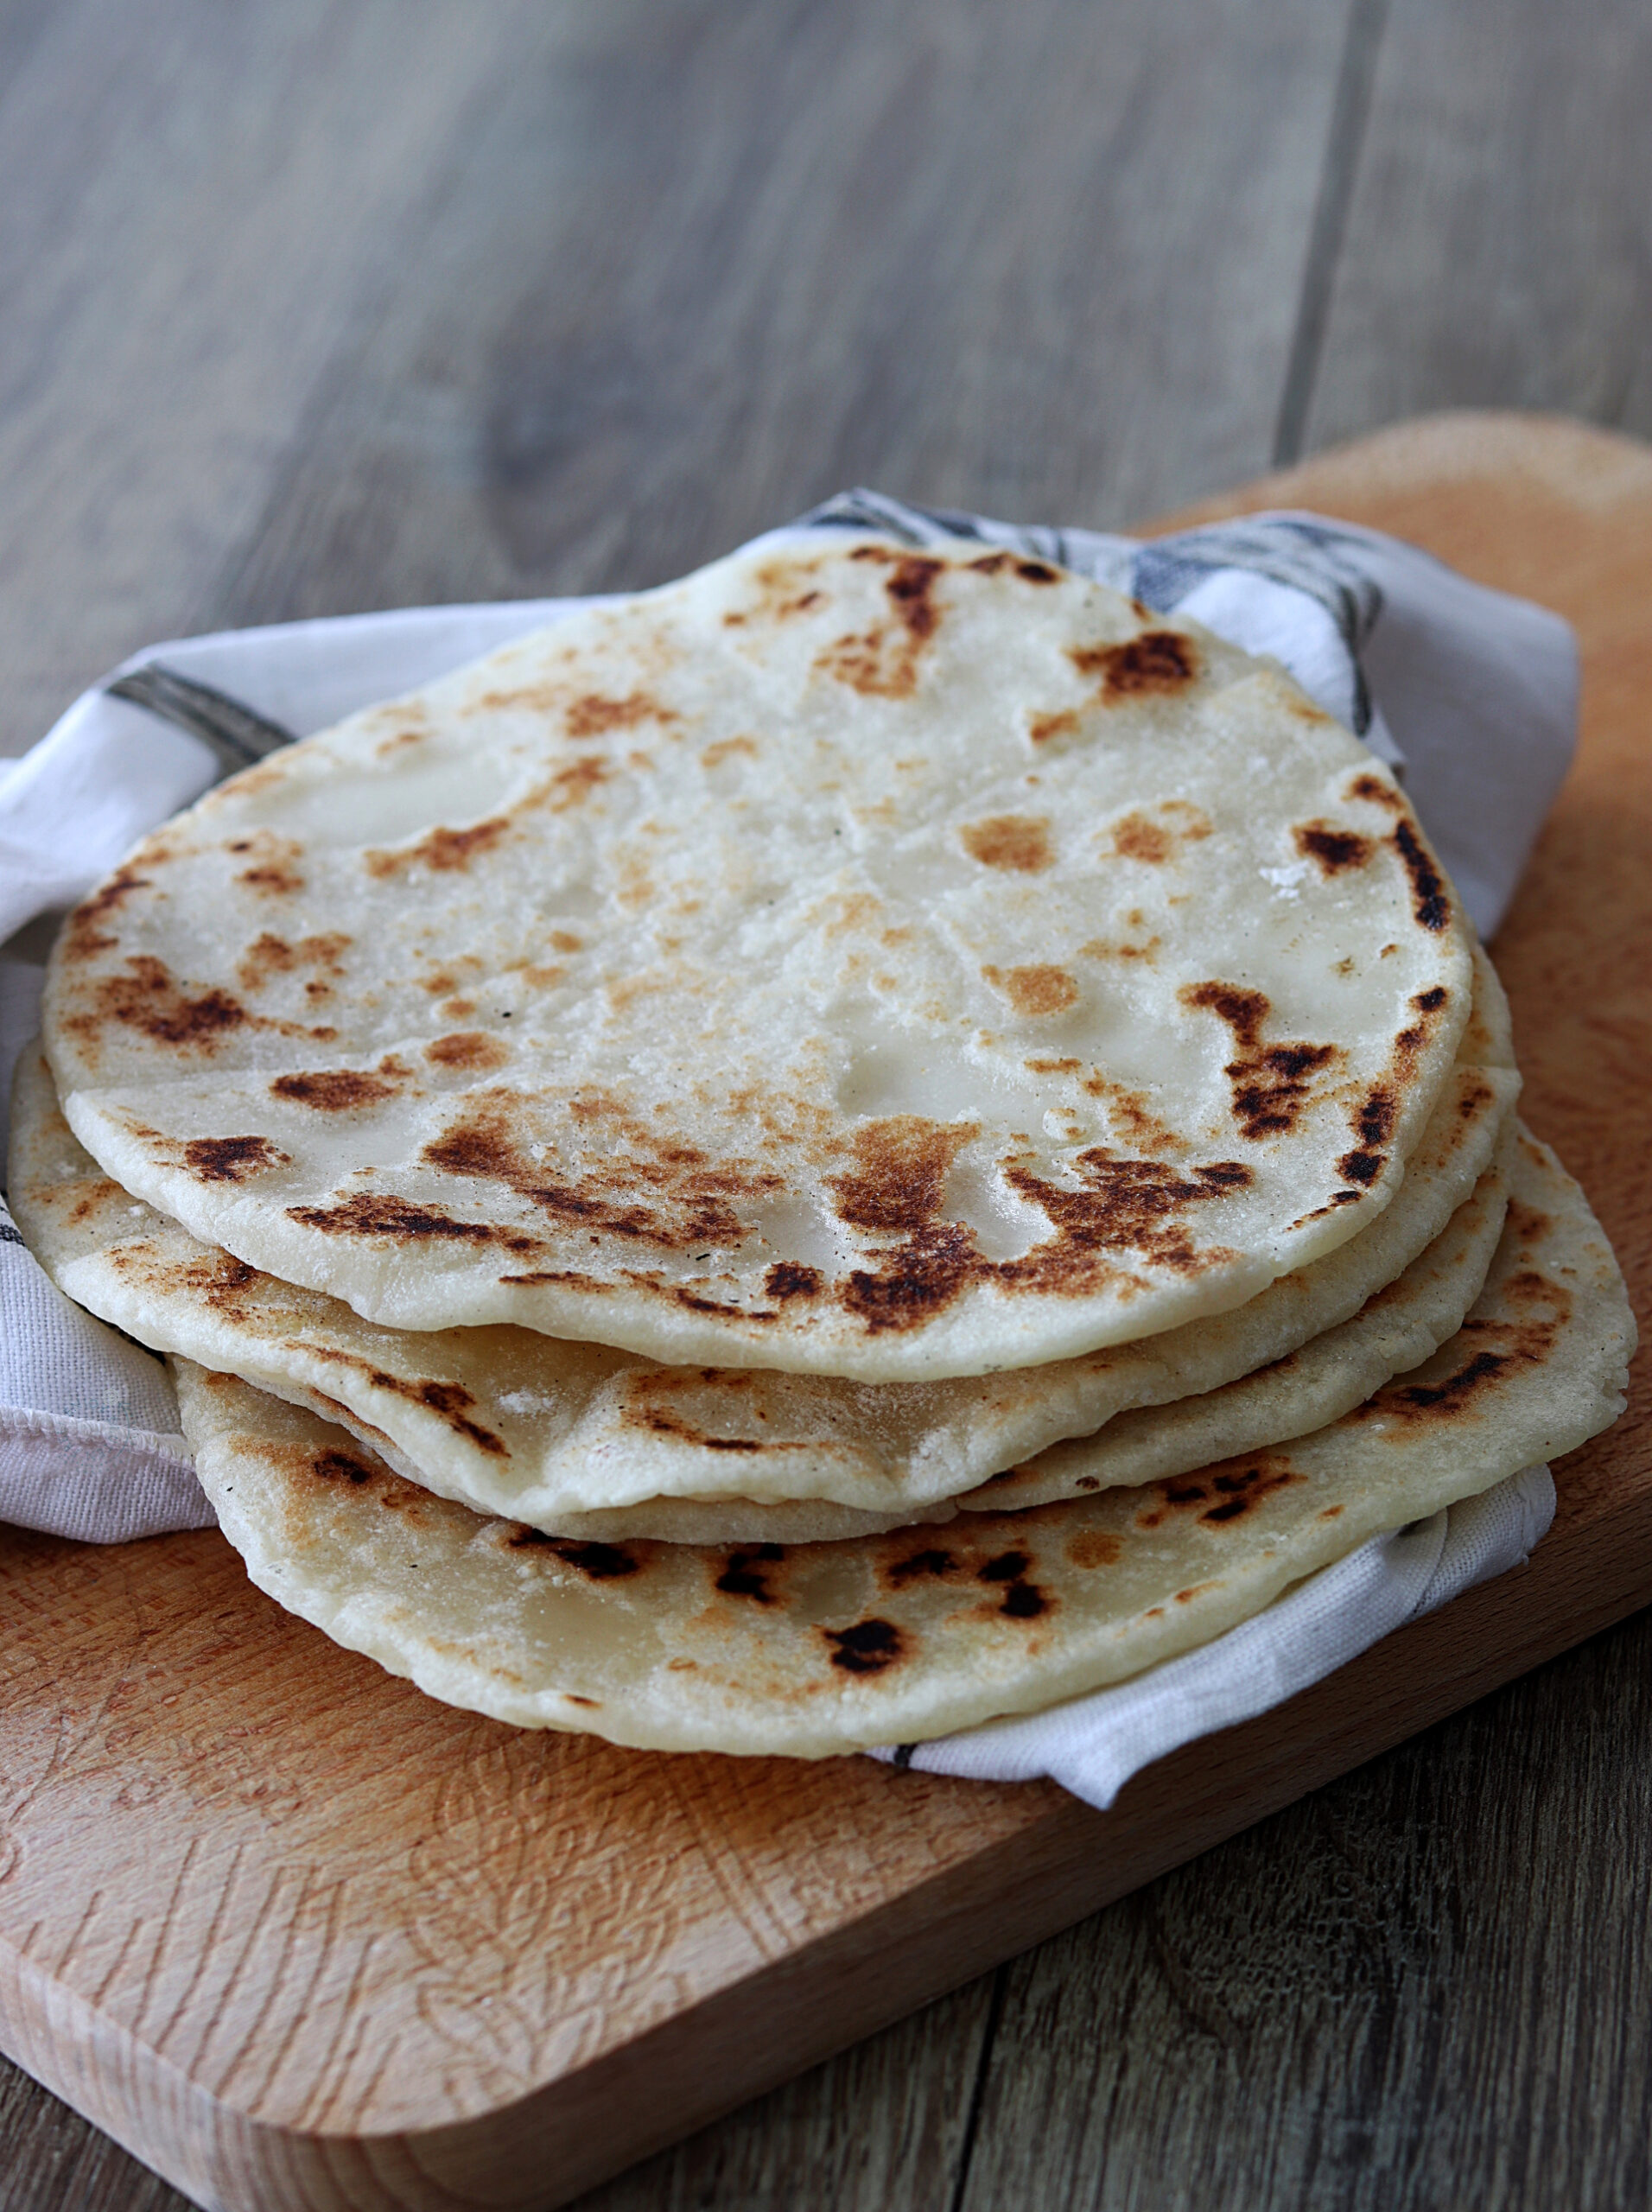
[867, 1140]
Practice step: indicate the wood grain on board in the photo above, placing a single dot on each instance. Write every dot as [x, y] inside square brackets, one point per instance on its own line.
[298, 1935]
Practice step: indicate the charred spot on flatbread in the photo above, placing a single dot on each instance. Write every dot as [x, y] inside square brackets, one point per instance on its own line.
[867, 1648]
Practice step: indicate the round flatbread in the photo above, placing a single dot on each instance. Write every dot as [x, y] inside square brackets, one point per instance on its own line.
[848, 961]
[1395, 1330]
[829, 1648]
[552, 1432]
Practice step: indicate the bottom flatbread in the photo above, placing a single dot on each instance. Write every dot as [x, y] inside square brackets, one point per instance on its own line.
[817, 1649]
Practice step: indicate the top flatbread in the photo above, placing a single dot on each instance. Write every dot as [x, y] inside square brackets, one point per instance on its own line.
[847, 960]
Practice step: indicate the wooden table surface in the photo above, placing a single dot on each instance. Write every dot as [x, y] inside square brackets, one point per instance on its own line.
[329, 304]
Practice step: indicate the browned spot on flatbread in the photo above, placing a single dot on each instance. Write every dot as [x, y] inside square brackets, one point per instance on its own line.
[232, 1159]
[218, 1277]
[450, 1402]
[1451, 1395]
[749, 1573]
[931, 1564]
[331, 1468]
[882, 661]
[1036, 989]
[471, 1050]
[93, 1198]
[1430, 899]
[592, 715]
[273, 871]
[564, 1278]
[149, 999]
[1019, 843]
[1373, 1124]
[899, 1173]
[366, 1214]
[791, 1278]
[910, 588]
[1485, 1350]
[639, 1411]
[333, 1090]
[83, 938]
[597, 1563]
[443, 850]
[1101, 948]
[1140, 837]
[908, 1286]
[1154, 661]
[867, 1648]
[1271, 1084]
[1374, 1118]
[1331, 849]
[1225, 1492]
[725, 749]
[331, 1465]
[1137, 838]
[1019, 1599]
[1376, 792]
[1030, 571]
[1125, 1207]
[654, 1188]
[572, 786]
[1130, 1114]
[398, 741]
[1094, 1548]
[269, 955]
[1063, 723]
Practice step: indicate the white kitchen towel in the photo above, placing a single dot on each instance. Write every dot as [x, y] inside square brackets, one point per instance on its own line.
[1471, 694]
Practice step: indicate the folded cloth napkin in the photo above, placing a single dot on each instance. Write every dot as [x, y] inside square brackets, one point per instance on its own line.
[1470, 694]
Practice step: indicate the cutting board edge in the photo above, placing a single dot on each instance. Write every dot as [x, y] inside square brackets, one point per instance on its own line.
[1447, 446]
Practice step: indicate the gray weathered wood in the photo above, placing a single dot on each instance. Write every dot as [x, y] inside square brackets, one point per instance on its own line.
[1428, 1985]
[1498, 248]
[707, 264]
[334, 303]
[885, 2124]
[196, 196]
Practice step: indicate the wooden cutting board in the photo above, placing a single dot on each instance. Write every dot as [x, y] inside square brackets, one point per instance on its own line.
[298, 1936]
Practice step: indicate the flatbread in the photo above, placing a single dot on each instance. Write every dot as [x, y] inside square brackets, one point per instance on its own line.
[827, 1648]
[848, 961]
[550, 1431]
[1394, 1330]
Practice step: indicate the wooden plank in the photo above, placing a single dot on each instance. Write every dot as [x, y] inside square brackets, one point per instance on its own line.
[403, 1957]
[705, 266]
[1425, 1986]
[193, 195]
[884, 2123]
[1498, 239]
